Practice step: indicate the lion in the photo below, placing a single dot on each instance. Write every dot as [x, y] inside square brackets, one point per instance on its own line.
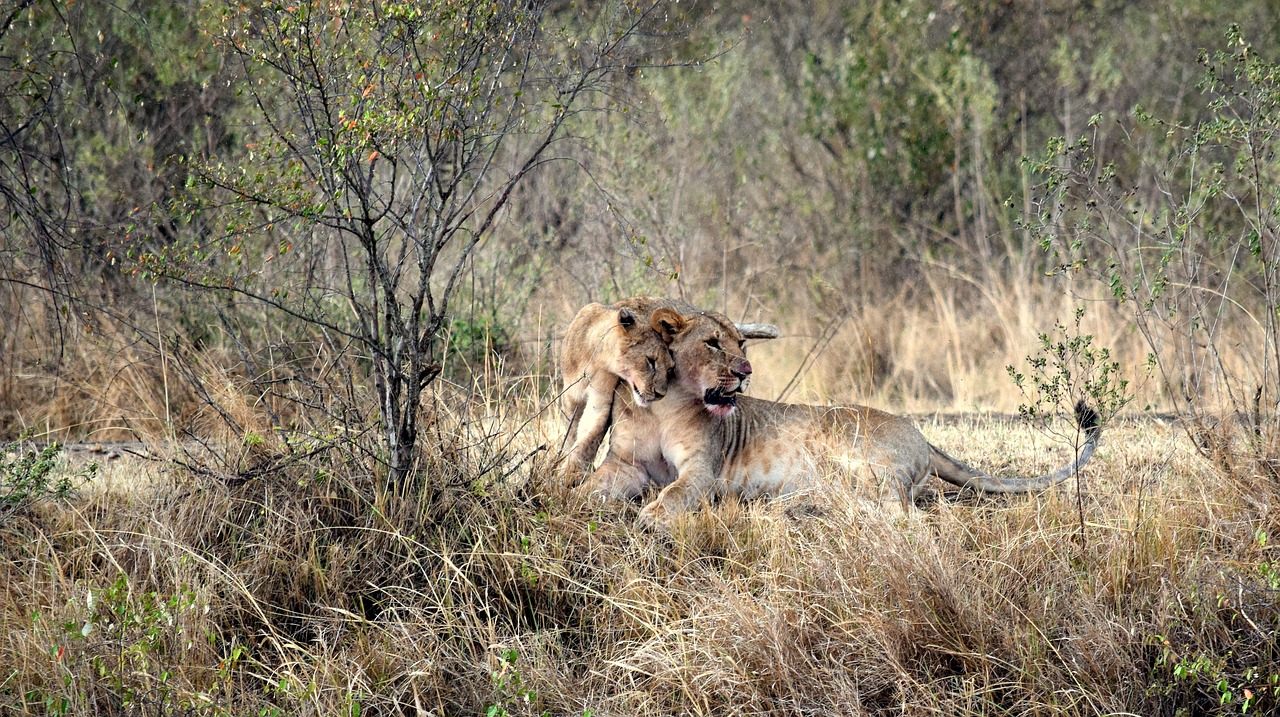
[706, 440]
[608, 347]
[635, 461]
[604, 348]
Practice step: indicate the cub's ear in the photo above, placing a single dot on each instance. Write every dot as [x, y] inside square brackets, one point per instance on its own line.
[627, 318]
[667, 322]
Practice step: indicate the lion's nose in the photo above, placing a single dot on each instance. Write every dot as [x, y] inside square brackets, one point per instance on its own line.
[743, 369]
[658, 394]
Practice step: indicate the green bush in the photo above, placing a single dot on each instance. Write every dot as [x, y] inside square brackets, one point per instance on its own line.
[28, 476]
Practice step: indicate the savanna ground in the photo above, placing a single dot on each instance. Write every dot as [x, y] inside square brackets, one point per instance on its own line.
[156, 591]
[350, 503]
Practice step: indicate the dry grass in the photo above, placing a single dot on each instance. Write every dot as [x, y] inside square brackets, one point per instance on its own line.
[943, 345]
[483, 588]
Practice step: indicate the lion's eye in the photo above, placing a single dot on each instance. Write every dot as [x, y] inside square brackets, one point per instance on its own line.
[652, 363]
[742, 345]
[713, 344]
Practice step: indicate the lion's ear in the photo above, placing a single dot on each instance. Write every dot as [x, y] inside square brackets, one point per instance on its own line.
[667, 322]
[626, 318]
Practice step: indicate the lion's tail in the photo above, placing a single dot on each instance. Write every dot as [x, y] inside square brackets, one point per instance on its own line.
[957, 473]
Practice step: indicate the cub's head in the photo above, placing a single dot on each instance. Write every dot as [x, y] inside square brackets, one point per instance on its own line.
[644, 361]
[709, 356]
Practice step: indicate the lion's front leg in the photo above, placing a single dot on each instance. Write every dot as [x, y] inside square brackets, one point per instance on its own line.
[674, 500]
[587, 432]
[616, 479]
[695, 483]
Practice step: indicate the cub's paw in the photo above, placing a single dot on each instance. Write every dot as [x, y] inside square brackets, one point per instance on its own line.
[572, 471]
[615, 481]
[572, 480]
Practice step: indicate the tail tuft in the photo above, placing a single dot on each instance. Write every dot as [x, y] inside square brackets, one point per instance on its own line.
[1088, 419]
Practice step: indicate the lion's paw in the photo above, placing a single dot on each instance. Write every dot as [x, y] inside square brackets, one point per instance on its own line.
[654, 518]
[571, 477]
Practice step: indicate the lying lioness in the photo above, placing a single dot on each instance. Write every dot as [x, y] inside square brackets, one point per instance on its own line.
[719, 443]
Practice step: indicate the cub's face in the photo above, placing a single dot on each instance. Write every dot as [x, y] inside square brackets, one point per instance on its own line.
[711, 361]
[645, 362]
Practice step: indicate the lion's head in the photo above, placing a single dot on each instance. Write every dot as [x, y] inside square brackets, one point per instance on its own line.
[710, 360]
[644, 361]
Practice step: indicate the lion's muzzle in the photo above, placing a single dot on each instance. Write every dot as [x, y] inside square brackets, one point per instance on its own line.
[644, 398]
[737, 380]
[720, 401]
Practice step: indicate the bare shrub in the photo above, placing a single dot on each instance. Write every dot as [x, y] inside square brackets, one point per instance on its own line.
[1195, 259]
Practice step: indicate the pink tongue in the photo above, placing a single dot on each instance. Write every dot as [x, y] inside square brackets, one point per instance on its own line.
[719, 410]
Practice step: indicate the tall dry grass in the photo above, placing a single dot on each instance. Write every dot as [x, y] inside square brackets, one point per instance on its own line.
[307, 585]
[943, 346]
[483, 588]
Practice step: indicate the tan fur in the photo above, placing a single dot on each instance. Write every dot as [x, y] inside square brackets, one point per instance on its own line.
[763, 448]
[598, 350]
[635, 460]
[607, 348]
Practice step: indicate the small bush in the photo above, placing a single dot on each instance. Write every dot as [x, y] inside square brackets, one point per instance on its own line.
[29, 475]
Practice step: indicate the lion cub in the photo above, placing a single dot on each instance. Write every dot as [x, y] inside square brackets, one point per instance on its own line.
[605, 346]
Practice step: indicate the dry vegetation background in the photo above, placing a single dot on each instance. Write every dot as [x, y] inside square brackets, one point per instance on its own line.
[882, 179]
